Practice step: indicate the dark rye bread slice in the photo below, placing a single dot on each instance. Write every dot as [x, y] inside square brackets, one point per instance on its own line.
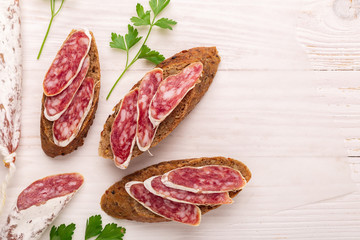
[47, 142]
[117, 203]
[210, 59]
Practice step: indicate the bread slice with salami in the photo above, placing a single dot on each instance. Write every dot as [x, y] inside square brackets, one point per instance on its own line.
[71, 94]
[179, 82]
[123, 199]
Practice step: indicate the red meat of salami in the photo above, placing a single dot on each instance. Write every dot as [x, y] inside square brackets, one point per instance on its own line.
[123, 131]
[66, 128]
[39, 204]
[67, 62]
[145, 131]
[172, 90]
[180, 212]
[155, 186]
[56, 105]
[40, 191]
[206, 179]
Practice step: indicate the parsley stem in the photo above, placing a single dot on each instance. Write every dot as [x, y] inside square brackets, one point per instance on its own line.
[122, 74]
[46, 35]
[53, 14]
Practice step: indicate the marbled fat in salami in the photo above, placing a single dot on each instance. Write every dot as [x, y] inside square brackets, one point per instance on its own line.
[38, 206]
[67, 62]
[123, 131]
[180, 212]
[56, 105]
[145, 131]
[172, 90]
[206, 179]
[155, 186]
[66, 128]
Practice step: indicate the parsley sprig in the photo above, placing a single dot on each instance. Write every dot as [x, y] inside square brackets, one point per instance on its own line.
[93, 229]
[53, 15]
[131, 38]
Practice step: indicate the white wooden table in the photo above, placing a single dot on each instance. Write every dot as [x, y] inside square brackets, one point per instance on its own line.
[270, 106]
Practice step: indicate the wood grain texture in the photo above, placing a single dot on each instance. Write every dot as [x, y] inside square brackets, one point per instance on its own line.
[264, 108]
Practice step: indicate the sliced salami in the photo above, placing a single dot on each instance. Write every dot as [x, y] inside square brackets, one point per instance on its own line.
[67, 62]
[39, 204]
[123, 131]
[155, 186]
[206, 179]
[179, 212]
[66, 128]
[172, 90]
[145, 131]
[56, 105]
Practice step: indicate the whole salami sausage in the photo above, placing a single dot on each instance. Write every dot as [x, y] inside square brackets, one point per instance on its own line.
[172, 90]
[10, 86]
[67, 63]
[145, 130]
[206, 179]
[155, 186]
[180, 212]
[56, 105]
[122, 136]
[66, 128]
[39, 204]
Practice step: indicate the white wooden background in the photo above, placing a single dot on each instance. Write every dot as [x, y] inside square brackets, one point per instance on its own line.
[288, 115]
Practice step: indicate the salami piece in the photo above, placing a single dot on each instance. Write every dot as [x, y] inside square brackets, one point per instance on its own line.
[172, 90]
[66, 128]
[56, 105]
[39, 204]
[10, 87]
[206, 179]
[179, 212]
[155, 186]
[123, 131]
[67, 62]
[145, 131]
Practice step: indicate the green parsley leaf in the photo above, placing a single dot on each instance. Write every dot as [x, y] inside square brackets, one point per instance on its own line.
[131, 37]
[158, 5]
[62, 232]
[117, 41]
[143, 18]
[165, 23]
[112, 232]
[93, 226]
[151, 55]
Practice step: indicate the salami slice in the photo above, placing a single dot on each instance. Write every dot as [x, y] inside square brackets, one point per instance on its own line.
[67, 63]
[206, 179]
[66, 128]
[10, 87]
[155, 186]
[179, 212]
[172, 90]
[55, 106]
[123, 131]
[145, 131]
[39, 204]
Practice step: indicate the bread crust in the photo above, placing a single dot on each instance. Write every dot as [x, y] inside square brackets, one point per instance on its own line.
[47, 142]
[210, 59]
[117, 203]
